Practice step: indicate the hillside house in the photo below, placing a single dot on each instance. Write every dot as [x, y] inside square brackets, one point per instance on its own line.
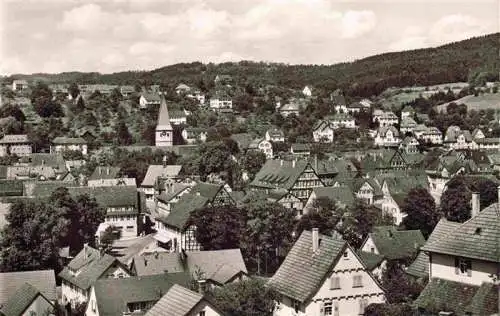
[307, 91]
[193, 135]
[197, 95]
[155, 176]
[130, 296]
[19, 85]
[323, 275]
[88, 266]
[300, 150]
[221, 101]
[148, 99]
[428, 134]
[354, 108]
[181, 301]
[60, 144]
[289, 109]
[409, 145]
[275, 135]
[178, 117]
[18, 145]
[341, 195]
[367, 190]
[262, 145]
[407, 112]
[323, 131]
[126, 91]
[407, 125]
[387, 136]
[182, 89]
[462, 275]
[385, 118]
[342, 120]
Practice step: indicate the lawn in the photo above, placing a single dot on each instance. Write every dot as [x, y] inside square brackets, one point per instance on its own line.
[481, 102]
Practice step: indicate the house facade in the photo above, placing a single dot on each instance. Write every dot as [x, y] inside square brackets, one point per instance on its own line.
[322, 275]
[275, 135]
[385, 118]
[387, 136]
[221, 101]
[147, 100]
[18, 145]
[60, 144]
[263, 146]
[192, 135]
[323, 131]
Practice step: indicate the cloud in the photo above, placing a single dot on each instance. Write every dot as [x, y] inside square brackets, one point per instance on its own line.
[357, 23]
[456, 27]
[88, 17]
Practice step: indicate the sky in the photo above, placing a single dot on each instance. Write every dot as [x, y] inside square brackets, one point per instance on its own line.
[107, 36]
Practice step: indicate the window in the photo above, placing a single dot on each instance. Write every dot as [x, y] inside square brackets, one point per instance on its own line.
[334, 283]
[328, 309]
[346, 255]
[296, 305]
[372, 249]
[357, 281]
[362, 306]
[463, 266]
[202, 313]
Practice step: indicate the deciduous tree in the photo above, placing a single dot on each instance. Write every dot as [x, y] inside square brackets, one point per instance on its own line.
[420, 210]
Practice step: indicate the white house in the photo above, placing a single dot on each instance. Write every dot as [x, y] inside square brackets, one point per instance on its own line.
[463, 259]
[148, 99]
[307, 91]
[182, 88]
[323, 275]
[408, 124]
[407, 112]
[342, 120]
[18, 145]
[275, 135]
[262, 145]
[88, 266]
[428, 134]
[19, 85]
[387, 136]
[60, 144]
[385, 118]
[323, 131]
[192, 135]
[221, 101]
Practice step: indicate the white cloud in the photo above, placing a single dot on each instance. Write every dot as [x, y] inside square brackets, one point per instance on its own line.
[357, 23]
[85, 18]
[456, 27]
[143, 48]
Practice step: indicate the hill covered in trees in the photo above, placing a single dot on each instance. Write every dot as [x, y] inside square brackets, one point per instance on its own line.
[453, 62]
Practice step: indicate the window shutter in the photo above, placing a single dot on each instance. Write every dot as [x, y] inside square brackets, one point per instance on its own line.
[469, 268]
[457, 268]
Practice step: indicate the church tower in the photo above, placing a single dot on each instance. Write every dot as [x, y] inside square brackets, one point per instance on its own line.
[164, 133]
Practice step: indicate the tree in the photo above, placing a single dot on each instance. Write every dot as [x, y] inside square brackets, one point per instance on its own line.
[359, 220]
[11, 110]
[249, 297]
[73, 90]
[388, 310]
[252, 161]
[214, 158]
[218, 227]
[268, 231]
[488, 191]
[455, 201]
[32, 237]
[83, 214]
[325, 215]
[110, 234]
[41, 99]
[123, 135]
[420, 208]
[399, 287]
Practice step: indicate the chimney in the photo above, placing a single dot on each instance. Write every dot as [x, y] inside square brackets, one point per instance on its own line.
[43, 162]
[281, 162]
[85, 245]
[475, 204]
[202, 284]
[293, 163]
[315, 239]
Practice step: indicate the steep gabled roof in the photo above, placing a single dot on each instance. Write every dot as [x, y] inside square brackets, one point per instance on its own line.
[156, 171]
[396, 244]
[303, 271]
[105, 172]
[216, 265]
[21, 300]
[279, 174]
[113, 295]
[69, 141]
[43, 280]
[462, 239]
[340, 194]
[178, 301]
[370, 260]
[181, 211]
[420, 266]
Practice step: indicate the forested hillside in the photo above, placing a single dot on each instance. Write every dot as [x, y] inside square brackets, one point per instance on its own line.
[366, 77]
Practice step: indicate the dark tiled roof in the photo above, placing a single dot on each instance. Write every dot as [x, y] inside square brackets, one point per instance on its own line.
[42, 280]
[178, 301]
[208, 190]
[217, 265]
[172, 192]
[52, 160]
[91, 272]
[20, 300]
[463, 239]
[242, 139]
[340, 194]
[302, 272]
[396, 244]
[114, 196]
[420, 266]
[278, 174]
[113, 295]
[68, 141]
[11, 188]
[458, 297]
[301, 147]
[105, 173]
[181, 210]
[14, 139]
[371, 260]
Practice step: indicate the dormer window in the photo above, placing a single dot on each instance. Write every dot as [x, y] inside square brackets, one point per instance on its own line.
[463, 266]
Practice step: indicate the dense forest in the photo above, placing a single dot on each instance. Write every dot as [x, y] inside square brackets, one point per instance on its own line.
[365, 77]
